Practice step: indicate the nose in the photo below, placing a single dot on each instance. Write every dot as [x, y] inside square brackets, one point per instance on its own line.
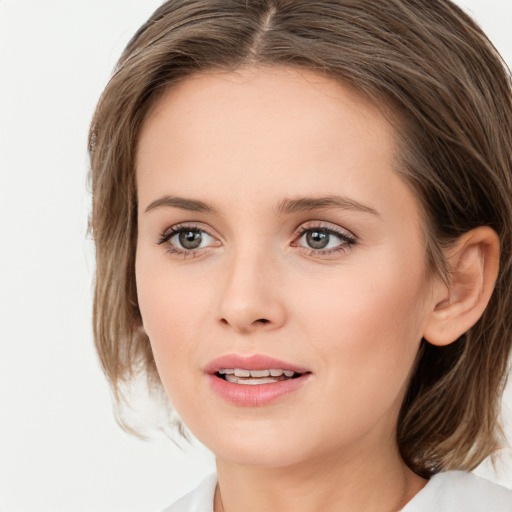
[251, 298]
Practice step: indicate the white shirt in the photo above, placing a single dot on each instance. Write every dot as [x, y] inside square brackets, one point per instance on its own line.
[452, 491]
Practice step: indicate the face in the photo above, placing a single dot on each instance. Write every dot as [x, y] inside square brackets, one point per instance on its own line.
[275, 234]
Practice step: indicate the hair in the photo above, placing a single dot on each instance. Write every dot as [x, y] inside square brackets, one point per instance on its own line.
[449, 91]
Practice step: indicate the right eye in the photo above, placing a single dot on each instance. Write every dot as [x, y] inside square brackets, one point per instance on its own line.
[186, 239]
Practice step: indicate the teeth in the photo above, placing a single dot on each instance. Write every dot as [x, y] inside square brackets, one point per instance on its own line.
[253, 377]
[260, 373]
[251, 381]
[239, 372]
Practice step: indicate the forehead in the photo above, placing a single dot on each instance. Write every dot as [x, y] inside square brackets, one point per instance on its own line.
[285, 103]
[268, 130]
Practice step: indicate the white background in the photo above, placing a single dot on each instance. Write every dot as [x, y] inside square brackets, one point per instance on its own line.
[60, 448]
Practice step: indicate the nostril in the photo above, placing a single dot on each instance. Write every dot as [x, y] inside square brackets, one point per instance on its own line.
[240, 324]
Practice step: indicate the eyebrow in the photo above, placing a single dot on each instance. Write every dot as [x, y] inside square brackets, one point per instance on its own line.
[191, 205]
[323, 203]
[285, 206]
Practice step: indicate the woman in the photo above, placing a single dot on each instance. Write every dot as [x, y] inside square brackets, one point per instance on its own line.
[302, 220]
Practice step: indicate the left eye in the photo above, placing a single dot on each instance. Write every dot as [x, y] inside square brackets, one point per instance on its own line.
[322, 239]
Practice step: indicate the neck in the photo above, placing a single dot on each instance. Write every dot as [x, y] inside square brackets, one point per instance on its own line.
[364, 480]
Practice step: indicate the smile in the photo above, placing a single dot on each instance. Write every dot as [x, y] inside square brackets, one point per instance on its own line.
[254, 380]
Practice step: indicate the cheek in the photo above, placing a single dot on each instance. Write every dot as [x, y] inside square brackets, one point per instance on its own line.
[366, 328]
[170, 309]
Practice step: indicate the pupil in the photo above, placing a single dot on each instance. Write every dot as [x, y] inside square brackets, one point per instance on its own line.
[190, 239]
[317, 239]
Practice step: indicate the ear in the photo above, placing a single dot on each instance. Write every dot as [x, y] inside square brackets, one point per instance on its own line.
[473, 265]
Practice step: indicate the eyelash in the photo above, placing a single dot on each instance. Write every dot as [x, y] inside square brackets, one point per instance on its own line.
[346, 239]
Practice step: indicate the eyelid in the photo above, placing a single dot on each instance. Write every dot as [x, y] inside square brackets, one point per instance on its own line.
[328, 226]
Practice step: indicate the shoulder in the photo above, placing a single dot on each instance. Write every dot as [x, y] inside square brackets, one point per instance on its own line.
[199, 499]
[452, 491]
[458, 491]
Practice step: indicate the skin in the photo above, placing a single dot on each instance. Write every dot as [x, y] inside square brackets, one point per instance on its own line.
[243, 143]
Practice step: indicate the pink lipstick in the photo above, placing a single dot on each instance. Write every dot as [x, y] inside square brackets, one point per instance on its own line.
[254, 380]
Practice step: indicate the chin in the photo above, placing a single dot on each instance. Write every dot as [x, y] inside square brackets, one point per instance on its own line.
[270, 447]
[255, 456]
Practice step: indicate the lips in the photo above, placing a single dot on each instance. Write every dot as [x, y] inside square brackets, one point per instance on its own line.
[254, 380]
[252, 362]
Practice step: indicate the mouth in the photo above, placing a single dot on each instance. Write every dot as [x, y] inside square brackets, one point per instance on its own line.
[255, 380]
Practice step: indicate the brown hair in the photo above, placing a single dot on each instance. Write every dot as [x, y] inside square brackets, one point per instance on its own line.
[429, 64]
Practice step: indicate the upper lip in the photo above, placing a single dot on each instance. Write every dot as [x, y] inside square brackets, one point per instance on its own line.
[251, 362]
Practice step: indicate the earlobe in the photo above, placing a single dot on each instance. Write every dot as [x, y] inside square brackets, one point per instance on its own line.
[473, 265]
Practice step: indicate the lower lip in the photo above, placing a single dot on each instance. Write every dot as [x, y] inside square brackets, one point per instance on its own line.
[247, 395]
